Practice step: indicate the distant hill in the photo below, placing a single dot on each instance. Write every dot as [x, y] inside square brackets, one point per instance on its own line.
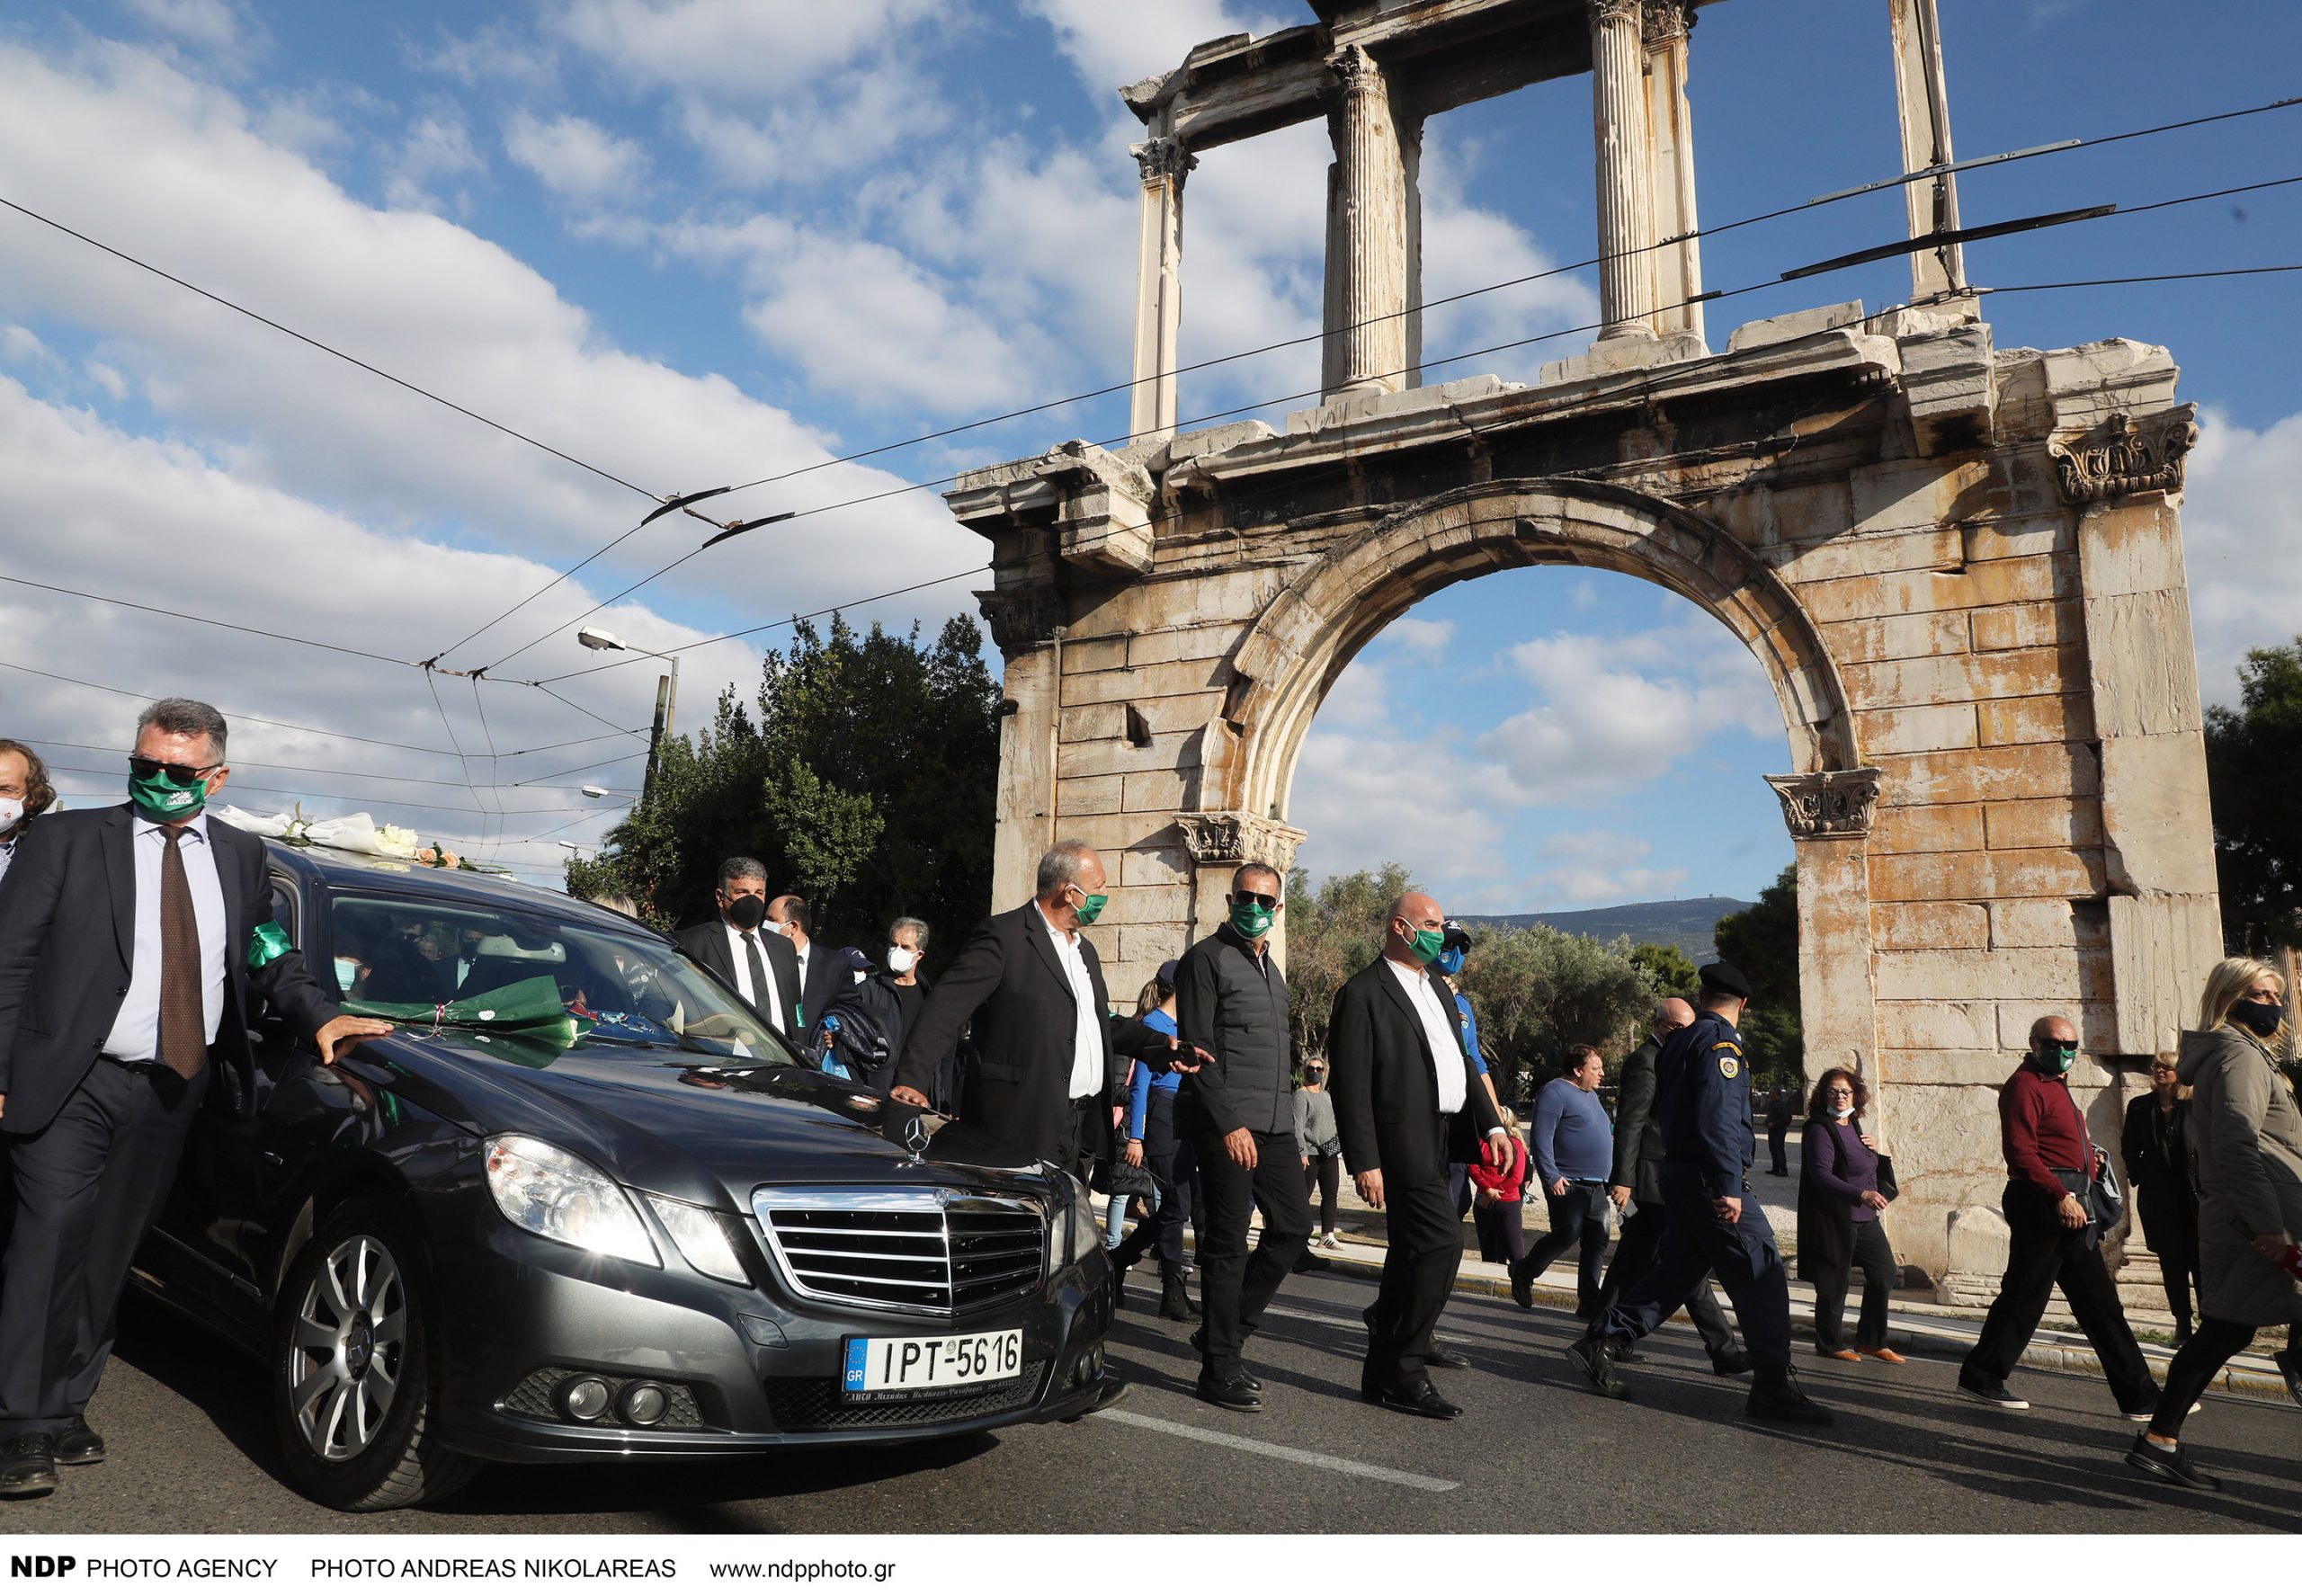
[1687, 923]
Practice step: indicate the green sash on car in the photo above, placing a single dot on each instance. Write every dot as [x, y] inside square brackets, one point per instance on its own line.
[519, 1022]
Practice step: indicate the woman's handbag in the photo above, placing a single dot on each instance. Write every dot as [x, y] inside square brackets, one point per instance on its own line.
[1887, 1187]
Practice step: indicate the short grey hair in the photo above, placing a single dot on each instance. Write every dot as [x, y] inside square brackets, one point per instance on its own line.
[1252, 869]
[618, 904]
[918, 929]
[185, 717]
[1060, 865]
[740, 867]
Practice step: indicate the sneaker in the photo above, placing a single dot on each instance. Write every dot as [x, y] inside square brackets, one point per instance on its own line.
[1995, 1394]
[2173, 1469]
[1333, 1240]
[2290, 1364]
[2146, 1415]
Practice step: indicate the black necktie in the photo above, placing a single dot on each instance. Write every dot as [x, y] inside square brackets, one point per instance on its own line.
[184, 998]
[759, 971]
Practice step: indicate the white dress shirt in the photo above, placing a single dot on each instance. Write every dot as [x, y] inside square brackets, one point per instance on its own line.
[1087, 1036]
[135, 1033]
[770, 1007]
[1439, 1030]
[8, 852]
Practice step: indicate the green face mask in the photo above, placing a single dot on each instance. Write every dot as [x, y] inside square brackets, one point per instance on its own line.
[1251, 920]
[1091, 904]
[1427, 944]
[158, 799]
[2056, 1059]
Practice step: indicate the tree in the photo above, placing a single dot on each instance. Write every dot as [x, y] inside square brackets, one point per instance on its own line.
[2253, 757]
[863, 775]
[1332, 935]
[1670, 972]
[1762, 942]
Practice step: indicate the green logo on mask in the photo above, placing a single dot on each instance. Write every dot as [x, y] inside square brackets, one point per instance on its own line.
[158, 799]
[1251, 920]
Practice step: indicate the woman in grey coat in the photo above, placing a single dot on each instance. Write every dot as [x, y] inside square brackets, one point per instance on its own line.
[2246, 1152]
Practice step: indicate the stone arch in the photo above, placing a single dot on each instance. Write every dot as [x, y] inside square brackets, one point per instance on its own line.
[1294, 652]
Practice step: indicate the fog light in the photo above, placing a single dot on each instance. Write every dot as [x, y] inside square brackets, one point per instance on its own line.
[585, 1399]
[644, 1403]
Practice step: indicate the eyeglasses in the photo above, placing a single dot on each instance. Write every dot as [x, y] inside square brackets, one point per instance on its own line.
[1269, 900]
[144, 770]
[1840, 1091]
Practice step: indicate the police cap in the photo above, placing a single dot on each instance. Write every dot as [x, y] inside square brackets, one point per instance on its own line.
[1725, 977]
[1455, 934]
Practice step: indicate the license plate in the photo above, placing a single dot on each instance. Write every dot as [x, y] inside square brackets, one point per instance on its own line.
[888, 1367]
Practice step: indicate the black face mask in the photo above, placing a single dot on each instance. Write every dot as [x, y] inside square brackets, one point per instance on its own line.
[748, 913]
[2262, 1019]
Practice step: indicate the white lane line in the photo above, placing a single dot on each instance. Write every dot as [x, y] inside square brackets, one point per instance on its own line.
[1264, 1448]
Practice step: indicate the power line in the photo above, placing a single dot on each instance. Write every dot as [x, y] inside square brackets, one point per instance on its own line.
[290, 725]
[254, 631]
[373, 371]
[597, 764]
[353, 797]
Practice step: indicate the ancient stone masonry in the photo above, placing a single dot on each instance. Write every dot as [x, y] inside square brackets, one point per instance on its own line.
[1960, 566]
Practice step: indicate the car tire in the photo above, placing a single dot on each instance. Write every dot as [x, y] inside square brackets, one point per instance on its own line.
[354, 1389]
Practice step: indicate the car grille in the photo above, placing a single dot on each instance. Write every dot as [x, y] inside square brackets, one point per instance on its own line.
[814, 1404]
[931, 1252]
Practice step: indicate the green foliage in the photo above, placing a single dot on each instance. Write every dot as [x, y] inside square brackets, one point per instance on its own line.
[1669, 971]
[2254, 765]
[862, 776]
[1762, 942]
[1332, 935]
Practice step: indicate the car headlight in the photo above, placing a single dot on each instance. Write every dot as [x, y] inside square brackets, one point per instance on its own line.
[701, 1238]
[562, 1198]
[1079, 1233]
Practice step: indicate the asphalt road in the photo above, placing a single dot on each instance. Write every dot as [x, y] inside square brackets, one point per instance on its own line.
[1537, 1453]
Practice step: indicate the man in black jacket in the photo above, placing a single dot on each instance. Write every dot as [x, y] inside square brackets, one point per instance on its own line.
[1638, 1177]
[1231, 999]
[1408, 1102]
[136, 946]
[1044, 1035]
[822, 975]
[757, 966]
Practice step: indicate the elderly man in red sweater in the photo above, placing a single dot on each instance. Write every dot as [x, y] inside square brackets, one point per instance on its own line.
[2051, 1164]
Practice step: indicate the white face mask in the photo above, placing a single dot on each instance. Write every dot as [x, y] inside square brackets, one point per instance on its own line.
[862, 977]
[901, 960]
[347, 971]
[11, 810]
[1846, 1114]
[781, 928]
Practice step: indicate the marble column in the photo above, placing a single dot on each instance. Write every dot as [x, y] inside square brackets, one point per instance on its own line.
[1626, 181]
[1678, 266]
[1922, 98]
[1158, 292]
[1368, 234]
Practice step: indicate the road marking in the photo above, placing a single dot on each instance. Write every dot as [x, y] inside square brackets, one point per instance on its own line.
[1264, 1448]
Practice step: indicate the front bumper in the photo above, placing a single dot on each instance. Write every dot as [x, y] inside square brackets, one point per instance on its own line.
[750, 1369]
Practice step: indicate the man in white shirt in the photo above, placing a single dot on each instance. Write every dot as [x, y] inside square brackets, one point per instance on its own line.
[820, 979]
[758, 966]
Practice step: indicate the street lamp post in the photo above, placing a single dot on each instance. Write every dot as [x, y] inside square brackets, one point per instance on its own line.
[667, 692]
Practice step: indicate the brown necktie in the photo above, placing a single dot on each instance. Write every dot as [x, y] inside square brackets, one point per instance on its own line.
[183, 1017]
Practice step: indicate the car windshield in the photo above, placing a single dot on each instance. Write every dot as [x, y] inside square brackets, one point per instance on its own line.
[634, 990]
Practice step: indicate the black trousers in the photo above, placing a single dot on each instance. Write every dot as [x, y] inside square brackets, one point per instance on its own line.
[88, 1186]
[1080, 1136]
[1323, 1176]
[1233, 1288]
[1778, 1141]
[1637, 1248]
[1173, 1164]
[1418, 1266]
[1695, 1242]
[1502, 1234]
[1579, 1217]
[1875, 1257]
[2201, 1357]
[2041, 1254]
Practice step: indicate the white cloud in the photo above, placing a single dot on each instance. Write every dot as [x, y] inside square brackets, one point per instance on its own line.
[20, 346]
[1363, 797]
[1592, 867]
[2241, 525]
[574, 158]
[108, 378]
[217, 25]
[1426, 639]
[436, 147]
[493, 53]
[739, 46]
[1112, 45]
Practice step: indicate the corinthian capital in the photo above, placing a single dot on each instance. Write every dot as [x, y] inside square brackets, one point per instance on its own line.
[1356, 70]
[1163, 159]
[1668, 21]
[1603, 12]
[1828, 803]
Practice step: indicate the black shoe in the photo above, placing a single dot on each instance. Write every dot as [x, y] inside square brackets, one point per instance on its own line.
[1596, 1357]
[1522, 1287]
[28, 1465]
[78, 1444]
[2175, 1467]
[1232, 1391]
[1731, 1363]
[1174, 1302]
[1199, 1345]
[1440, 1356]
[1118, 1289]
[1371, 1381]
[2290, 1364]
[1995, 1394]
[1422, 1399]
[1779, 1401]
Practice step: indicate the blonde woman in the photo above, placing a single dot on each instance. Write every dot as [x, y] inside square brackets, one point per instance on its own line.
[2246, 1136]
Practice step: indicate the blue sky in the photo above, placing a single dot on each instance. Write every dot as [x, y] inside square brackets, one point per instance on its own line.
[698, 241]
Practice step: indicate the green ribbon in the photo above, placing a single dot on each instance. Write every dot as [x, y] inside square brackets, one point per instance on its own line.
[268, 943]
[525, 1017]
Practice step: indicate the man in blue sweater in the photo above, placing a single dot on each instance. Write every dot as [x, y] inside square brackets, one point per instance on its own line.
[1573, 1145]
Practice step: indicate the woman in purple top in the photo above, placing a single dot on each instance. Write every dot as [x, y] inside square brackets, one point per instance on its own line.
[1840, 1228]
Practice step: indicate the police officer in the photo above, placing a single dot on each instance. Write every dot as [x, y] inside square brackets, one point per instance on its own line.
[1702, 1094]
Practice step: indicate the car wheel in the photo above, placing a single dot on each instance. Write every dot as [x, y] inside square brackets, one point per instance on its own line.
[354, 1388]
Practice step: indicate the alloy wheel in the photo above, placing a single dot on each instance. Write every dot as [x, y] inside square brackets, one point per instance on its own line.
[349, 1343]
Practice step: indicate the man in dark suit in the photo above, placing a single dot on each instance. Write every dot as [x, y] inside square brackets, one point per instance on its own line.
[1638, 1177]
[1407, 1102]
[756, 965]
[1044, 1037]
[131, 940]
[821, 974]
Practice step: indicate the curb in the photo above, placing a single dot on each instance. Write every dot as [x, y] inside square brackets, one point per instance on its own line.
[2246, 1376]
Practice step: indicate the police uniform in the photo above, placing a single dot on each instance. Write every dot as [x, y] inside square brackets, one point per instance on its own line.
[1702, 1095]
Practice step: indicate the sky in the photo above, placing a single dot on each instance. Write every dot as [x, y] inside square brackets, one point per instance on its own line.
[691, 242]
